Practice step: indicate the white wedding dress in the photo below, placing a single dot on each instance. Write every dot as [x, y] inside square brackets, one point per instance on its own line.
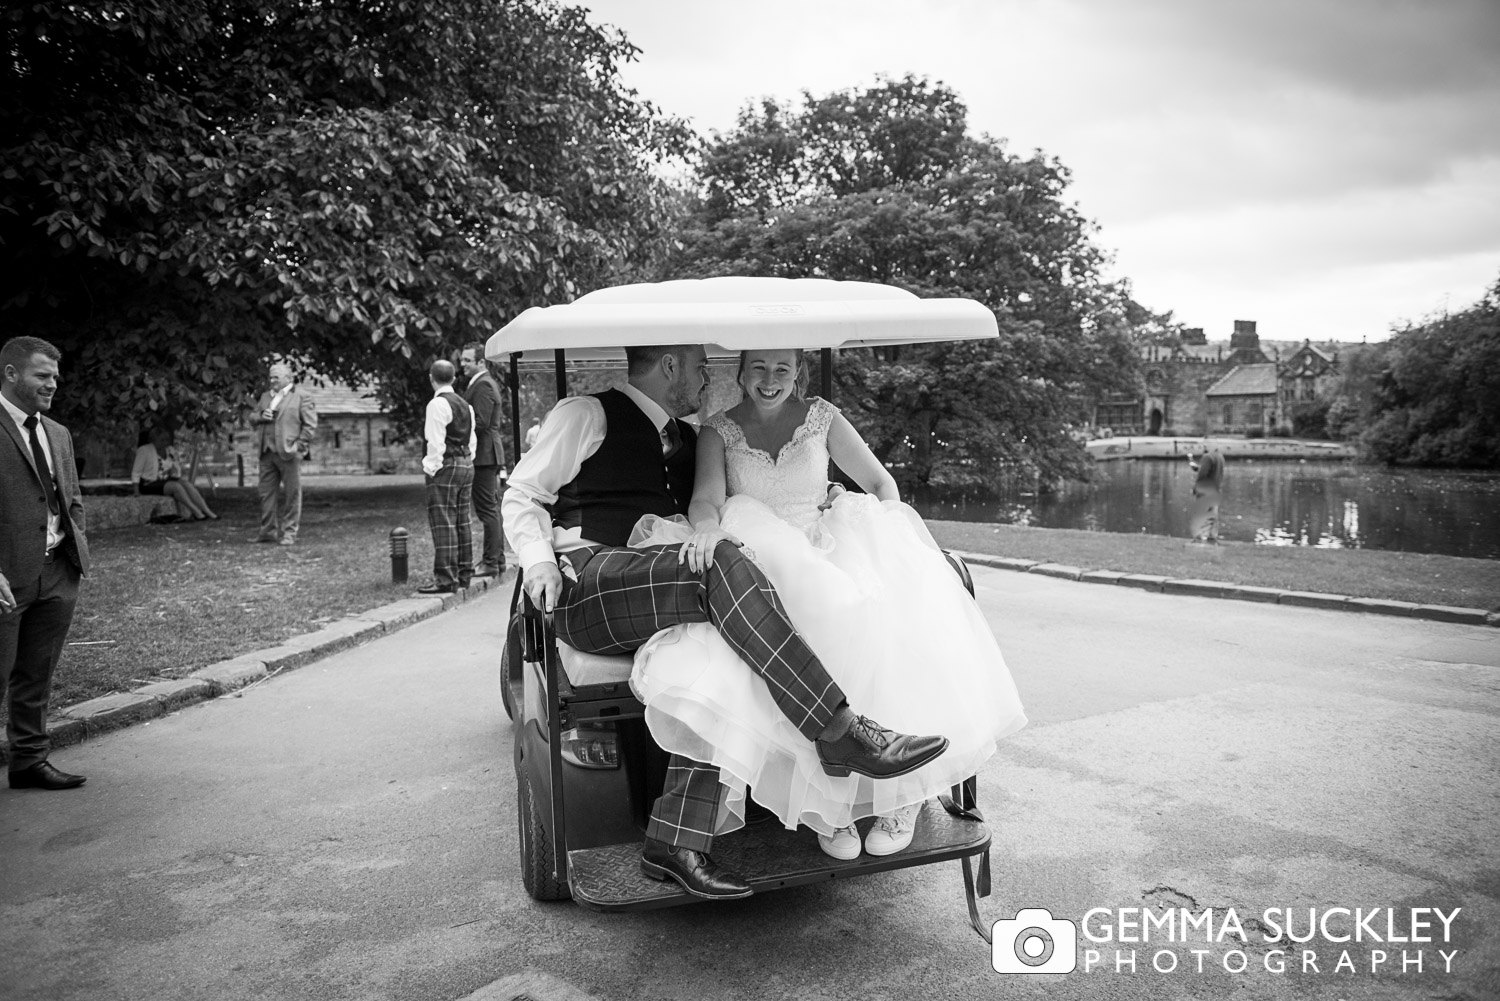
[869, 590]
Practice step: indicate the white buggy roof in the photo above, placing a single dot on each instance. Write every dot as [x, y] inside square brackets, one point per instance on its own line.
[734, 314]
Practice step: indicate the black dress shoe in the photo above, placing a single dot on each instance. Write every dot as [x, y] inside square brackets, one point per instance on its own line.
[870, 749]
[43, 775]
[694, 871]
[438, 589]
[757, 814]
[485, 570]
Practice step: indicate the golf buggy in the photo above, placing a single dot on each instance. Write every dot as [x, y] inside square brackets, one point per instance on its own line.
[587, 770]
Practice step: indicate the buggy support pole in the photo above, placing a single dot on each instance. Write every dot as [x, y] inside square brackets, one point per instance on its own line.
[561, 362]
[515, 411]
[962, 801]
[825, 356]
[553, 665]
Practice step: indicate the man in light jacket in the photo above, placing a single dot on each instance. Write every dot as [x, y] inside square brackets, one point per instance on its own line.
[285, 421]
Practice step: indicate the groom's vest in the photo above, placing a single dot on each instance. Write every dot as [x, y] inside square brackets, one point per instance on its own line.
[627, 477]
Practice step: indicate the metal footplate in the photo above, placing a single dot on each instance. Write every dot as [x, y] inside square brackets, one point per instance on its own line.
[769, 857]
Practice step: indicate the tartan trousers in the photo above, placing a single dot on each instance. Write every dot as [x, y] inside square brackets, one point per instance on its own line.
[619, 598]
[450, 510]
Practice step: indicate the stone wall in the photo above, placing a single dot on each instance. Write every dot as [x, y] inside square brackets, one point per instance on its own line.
[348, 443]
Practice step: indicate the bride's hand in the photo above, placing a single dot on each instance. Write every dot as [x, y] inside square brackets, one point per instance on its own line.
[834, 489]
[698, 551]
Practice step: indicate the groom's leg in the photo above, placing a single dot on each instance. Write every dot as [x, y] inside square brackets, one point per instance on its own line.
[684, 815]
[624, 596]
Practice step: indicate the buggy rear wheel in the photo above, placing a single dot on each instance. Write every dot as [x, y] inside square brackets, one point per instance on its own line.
[510, 670]
[536, 848]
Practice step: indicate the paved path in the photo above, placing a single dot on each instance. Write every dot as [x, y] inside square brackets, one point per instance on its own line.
[348, 830]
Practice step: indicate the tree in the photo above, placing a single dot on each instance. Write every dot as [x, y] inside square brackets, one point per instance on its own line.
[1438, 399]
[191, 186]
[885, 184]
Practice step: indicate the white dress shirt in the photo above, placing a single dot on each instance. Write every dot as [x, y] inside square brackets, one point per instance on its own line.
[435, 430]
[54, 521]
[572, 432]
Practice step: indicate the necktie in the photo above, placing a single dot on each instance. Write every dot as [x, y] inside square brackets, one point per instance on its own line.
[674, 438]
[43, 471]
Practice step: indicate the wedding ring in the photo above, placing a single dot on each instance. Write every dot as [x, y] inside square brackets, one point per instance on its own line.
[692, 545]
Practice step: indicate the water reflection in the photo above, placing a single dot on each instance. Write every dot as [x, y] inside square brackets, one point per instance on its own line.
[1328, 505]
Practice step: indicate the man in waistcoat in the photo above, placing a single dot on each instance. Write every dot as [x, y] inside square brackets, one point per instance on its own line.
[43, 552]
[482, 394]
[285, 421]
[449, 465]
[599, 464]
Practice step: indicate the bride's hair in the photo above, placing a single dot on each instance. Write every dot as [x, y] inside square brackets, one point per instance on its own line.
[799, 382]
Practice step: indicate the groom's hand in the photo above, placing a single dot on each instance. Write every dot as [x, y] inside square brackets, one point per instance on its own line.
[543, 585]
[698, 551]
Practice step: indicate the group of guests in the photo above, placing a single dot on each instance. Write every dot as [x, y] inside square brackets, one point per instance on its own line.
[285, 420]
[462, 461]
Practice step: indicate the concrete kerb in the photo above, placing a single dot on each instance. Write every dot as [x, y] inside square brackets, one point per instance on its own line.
[1242, 592]
[111, 712]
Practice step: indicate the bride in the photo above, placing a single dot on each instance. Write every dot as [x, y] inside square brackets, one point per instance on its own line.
[865, 585]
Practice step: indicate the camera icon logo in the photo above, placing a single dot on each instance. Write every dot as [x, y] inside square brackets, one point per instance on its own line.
[1034, 942]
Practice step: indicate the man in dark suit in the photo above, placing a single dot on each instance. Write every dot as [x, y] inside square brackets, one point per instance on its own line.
[482, 394]
[284, 421]
[600, 463]
[43, 552]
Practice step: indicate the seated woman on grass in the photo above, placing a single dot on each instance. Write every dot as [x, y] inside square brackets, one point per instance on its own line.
[157, 471]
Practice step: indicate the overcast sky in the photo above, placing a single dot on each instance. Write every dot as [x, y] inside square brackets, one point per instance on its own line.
[1324, 167]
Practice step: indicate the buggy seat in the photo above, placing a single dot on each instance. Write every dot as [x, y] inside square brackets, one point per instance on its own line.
[584, 670]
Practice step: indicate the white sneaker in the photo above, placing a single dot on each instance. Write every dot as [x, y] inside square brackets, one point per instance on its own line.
[894, 831]
[843, 844]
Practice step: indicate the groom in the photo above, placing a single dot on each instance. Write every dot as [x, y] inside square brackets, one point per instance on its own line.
[600, 463]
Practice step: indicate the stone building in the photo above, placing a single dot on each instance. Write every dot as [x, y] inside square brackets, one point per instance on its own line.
[1244, 402]
[1197, 387]
[356, 436]
[1307, 377]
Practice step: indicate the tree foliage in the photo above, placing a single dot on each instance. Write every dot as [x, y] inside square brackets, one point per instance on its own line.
[1437, 402]
[886, 184]
[191, 186]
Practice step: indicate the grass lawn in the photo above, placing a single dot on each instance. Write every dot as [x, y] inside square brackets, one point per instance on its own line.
[1359, 573]
[164, 600]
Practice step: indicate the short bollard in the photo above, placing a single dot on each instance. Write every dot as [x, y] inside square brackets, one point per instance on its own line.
[398, 555]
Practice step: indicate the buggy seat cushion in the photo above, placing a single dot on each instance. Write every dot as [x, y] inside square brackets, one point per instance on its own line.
[584, 669]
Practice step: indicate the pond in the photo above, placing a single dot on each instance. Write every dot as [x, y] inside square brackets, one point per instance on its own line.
[1268, 502]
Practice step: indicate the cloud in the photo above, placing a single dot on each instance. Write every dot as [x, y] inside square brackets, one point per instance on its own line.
[1218, 144]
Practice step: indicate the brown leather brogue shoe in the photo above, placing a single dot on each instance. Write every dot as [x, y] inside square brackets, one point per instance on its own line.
[870, 749]
[43, 775]
[693, 870]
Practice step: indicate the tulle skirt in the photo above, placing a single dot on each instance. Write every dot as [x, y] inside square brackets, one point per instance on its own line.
[871, 593]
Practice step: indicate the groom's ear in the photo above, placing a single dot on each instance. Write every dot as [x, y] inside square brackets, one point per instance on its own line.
[668, 363]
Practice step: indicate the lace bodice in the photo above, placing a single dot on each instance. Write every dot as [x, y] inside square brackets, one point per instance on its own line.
[793, 483]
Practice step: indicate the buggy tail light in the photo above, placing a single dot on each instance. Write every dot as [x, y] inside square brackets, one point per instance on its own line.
[591, 747]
